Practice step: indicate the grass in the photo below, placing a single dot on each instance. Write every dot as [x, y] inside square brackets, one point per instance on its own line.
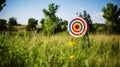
[37, 50]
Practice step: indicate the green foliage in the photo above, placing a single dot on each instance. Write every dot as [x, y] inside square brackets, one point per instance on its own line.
[99, 28]
[112, 15]
[42, 21]
[62, 26]
[88, 19]
[31, 24]
[32, 51]
[12, 21]
[2, 4]
[50, 20]
[3, 25]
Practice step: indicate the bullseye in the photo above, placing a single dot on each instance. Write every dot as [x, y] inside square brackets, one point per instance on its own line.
[77, 27]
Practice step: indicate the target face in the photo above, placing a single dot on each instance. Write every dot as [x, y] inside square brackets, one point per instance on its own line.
[77, 27]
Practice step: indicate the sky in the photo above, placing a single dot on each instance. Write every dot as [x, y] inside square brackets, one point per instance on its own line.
[22, 10]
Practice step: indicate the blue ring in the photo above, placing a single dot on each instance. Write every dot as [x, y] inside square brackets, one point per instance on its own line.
[70, 25]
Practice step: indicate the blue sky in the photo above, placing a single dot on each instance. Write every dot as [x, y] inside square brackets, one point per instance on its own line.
[25, 9]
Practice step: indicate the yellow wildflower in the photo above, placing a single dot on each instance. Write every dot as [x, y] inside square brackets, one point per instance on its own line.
[71, 43]
[71, 57]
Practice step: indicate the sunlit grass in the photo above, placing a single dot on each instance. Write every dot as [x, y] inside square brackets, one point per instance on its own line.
[37, 50]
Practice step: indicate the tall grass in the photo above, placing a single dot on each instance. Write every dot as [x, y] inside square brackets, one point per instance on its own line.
[35, 50]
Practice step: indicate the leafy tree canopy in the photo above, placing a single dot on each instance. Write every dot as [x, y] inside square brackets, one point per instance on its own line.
[3, 25]
[50, 20]
[31, 24]
[88, 19]
[12, 21]
[111, 13]
[2, 4]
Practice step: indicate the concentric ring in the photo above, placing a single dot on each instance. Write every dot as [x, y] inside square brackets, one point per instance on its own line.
[77, 27]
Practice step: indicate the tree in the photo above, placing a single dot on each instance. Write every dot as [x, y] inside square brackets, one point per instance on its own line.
[42, 22]
[61, 26]
[2, 4]
[3, 25]
[12, 21]
[88, 19]
[50, 20]
[31, 24]
[64, 25]
[112, 15]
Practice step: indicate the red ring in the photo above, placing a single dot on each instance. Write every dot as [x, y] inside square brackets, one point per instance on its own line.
[83, 24]
[74, 29]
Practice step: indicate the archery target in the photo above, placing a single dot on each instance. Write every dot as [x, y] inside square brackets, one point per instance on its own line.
[77, 27]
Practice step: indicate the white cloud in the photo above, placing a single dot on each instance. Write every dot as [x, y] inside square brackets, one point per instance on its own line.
[82, 8]
[98, 17]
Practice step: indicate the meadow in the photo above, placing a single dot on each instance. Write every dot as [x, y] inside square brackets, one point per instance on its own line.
[31, 49]
[49, 44]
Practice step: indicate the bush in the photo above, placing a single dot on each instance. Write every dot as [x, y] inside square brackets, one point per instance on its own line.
[3, 25]
[31, 24]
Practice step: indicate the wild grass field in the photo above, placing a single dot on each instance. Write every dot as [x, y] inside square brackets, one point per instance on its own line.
[44, 40]
[23, 49]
